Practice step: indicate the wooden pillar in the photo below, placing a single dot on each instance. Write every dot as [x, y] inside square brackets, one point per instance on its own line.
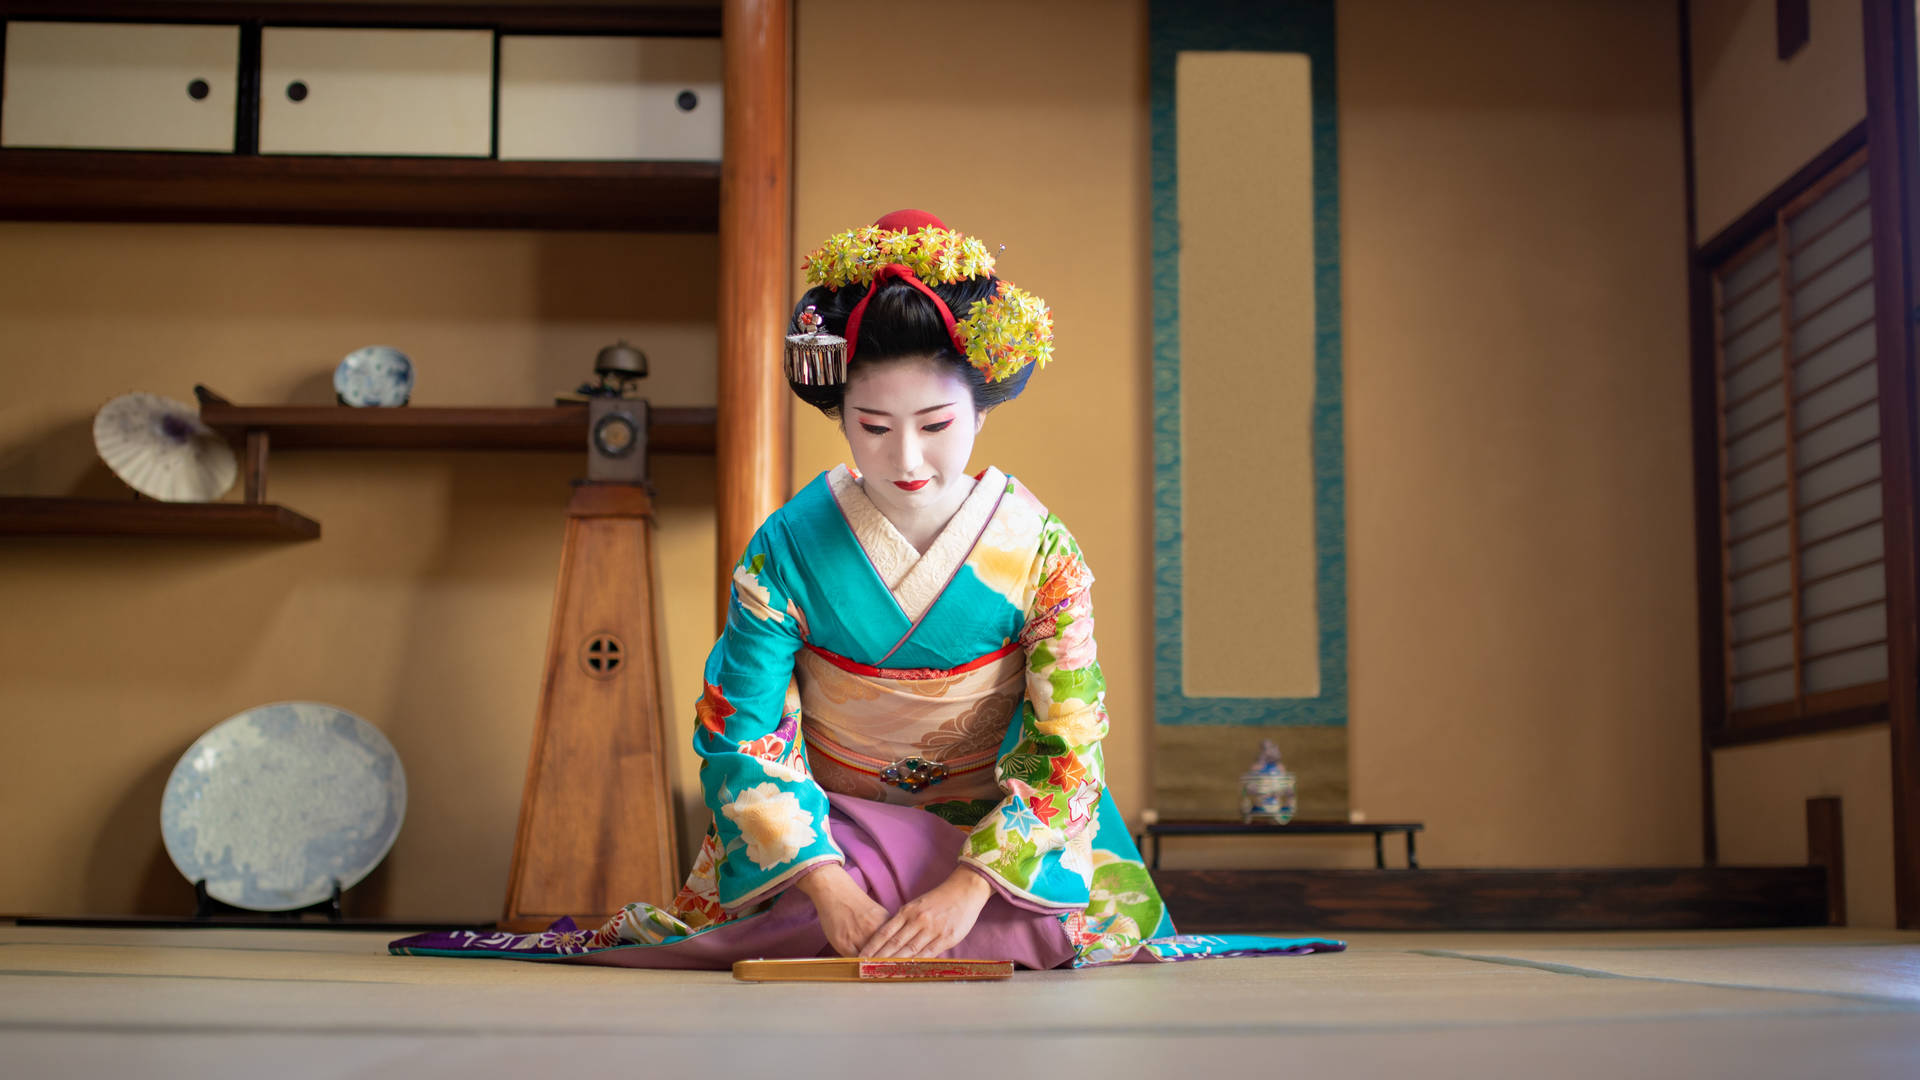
[1893, 116]
[1705, 402]
[756, 218]
[1827, 847]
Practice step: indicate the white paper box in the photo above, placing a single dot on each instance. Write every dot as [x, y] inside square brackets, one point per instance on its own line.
[425, 93]
[610, 98]
[119, 86]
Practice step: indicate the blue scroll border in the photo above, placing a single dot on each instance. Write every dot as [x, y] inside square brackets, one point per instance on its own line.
[1300, 26]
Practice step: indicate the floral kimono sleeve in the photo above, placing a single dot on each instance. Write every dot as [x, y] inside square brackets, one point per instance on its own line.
[1035, 847]
[769, 816]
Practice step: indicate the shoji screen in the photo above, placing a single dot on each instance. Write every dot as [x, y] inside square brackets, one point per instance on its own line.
[1802, 554]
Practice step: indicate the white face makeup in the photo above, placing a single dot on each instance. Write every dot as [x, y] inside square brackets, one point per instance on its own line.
[910, 426]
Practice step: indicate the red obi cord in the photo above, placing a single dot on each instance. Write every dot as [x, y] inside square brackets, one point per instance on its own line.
[857, 668]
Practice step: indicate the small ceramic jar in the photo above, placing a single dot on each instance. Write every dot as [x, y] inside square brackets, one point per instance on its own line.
[1266, 797]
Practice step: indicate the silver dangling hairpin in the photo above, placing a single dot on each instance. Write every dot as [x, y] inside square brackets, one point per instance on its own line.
[815, 357]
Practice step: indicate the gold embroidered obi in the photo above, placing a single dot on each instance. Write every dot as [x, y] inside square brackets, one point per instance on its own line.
[904, 736]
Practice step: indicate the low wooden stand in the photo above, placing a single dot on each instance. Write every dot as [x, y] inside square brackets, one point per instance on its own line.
[1160, 830]
[1594, 898]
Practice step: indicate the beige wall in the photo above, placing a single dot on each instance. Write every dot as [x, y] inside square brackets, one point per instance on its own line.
[1756, 118]
[1757, 121]
[1760, 796]
[423, 607]
[1519, 517]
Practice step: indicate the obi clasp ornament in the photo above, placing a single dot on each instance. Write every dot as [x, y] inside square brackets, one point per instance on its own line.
[913, 774]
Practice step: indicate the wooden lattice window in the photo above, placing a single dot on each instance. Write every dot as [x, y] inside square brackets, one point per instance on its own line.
[1802, 551]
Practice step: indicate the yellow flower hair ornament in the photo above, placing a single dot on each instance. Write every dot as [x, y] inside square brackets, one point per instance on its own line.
[1006, 333]
[936, 255]
[1000, 336]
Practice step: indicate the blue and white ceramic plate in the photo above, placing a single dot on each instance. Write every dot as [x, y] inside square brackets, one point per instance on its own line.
[375, 375]
[271, 806]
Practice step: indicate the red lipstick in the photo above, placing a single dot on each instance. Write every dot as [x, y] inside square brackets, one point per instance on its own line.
[905, 486]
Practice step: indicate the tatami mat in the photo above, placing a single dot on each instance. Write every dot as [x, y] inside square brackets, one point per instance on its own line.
[1878, 973]
[323, 1004]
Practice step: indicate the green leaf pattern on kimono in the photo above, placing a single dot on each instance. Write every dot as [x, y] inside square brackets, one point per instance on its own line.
[1054, 770]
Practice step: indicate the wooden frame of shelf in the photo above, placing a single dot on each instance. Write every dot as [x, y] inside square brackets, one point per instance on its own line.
[437, 427]
[141, 186]
[35, 516]
[257, 428]
[683, 20]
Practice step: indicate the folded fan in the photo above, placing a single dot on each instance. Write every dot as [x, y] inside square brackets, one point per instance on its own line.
[870, 969]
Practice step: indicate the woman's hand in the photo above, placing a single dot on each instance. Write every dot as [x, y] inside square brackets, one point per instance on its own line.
[934, 921]
[848, 915]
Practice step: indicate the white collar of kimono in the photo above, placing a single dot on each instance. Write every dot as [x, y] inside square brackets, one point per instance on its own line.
[915, 579]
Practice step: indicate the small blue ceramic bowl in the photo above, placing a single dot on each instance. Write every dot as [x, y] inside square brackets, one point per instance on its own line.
[375, 375]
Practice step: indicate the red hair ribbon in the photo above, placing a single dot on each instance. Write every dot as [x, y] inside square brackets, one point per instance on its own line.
[896, 270]
[901, 221]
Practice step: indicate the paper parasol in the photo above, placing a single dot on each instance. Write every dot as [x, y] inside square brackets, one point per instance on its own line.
[162, 450]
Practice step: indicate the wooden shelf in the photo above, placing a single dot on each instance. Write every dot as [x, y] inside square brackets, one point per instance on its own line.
[32, 516]
[117, 185]
[430, 427]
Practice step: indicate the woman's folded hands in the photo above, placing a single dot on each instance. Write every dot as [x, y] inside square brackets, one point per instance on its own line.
[934, 921]
[925, 926]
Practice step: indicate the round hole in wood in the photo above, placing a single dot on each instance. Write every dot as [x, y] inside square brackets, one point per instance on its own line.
[602, 655]
[687, 101]
[296, 91]
[198, 90]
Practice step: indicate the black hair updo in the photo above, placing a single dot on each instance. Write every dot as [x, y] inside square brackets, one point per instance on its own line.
[901, 323]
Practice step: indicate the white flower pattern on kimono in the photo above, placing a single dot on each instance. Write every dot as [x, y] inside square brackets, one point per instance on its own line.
[1077, 856]
[1080, 807]
[772, 822]
[755, 597]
